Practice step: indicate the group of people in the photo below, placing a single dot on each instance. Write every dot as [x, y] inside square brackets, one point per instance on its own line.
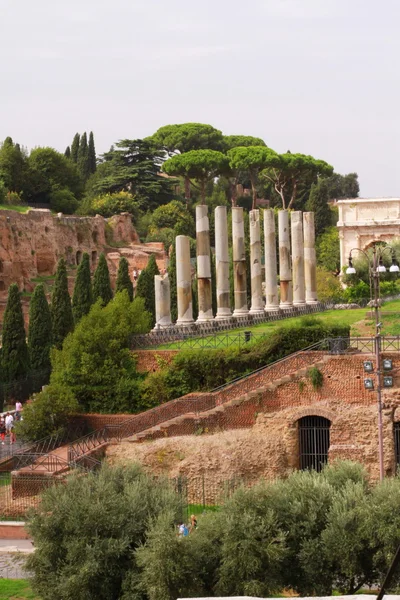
[7, 424]
[184, 530]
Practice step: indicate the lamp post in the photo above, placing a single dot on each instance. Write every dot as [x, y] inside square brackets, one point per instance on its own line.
[375, 268]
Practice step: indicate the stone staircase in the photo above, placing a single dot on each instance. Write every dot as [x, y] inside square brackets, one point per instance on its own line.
[189, 423]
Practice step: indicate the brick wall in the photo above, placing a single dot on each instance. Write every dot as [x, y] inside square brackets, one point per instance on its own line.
[342, 399]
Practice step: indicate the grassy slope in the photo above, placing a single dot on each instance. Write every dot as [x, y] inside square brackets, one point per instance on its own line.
[363, 327]
[20, 209]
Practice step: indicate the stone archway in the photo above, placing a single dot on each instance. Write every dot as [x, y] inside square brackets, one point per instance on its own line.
[365, 222]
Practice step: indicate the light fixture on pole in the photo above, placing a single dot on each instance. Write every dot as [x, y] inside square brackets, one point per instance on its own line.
[375, 268]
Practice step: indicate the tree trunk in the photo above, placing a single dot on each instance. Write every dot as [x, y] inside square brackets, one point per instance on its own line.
[254, 189]
[234, 192]
[203, 191]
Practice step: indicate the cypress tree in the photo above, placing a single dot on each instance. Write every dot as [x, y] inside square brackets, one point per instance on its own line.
[318, 204]
[195, 299]
[145, 286]
[92, 154]
[101, 282]
[39, 333]
[67, 152]
[75, 148]
[82, 299]
[83, 157]
[61, 311]
[123, 280]
[14, 356]
[172, 283]
[213, 285]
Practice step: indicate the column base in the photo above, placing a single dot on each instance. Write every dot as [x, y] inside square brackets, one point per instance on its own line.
[223, 316]
[159, 326]
[241, 312]
[312, 302]
[285, 306]
[204, 319]
[185, 323]
[256, 311]
[273, 308]
[299, 304]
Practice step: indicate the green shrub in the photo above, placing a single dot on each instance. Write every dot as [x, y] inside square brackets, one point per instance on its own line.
[316, 377]
[47, 413]
[113, 204]
[197, 370]
[63, 201]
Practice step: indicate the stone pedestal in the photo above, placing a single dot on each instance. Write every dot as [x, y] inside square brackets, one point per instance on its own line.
[239, 262]
[257, 303]
[203, 264]
[184, 281]
[271, 275]
[222, 264]
[163, 301]
[285, 271]
[310, 258]
[299, 291]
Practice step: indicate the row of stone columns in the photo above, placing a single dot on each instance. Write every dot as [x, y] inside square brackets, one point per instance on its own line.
[297, 269]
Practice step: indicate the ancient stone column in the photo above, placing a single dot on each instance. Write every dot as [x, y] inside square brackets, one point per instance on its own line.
[299, 290]
[239, 262]
[271, 275]
[285, 272]
[222, 263]
[257, 303]
[203, 263]
[163, 301]
[310, 258]
[184, 281]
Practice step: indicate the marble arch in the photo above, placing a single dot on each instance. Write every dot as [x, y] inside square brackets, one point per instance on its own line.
[365, 221]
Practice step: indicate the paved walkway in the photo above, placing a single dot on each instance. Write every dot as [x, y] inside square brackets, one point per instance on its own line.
[13, 554]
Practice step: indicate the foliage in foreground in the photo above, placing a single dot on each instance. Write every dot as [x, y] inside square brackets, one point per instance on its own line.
[86, 548]
[95, 362]
[311, 532]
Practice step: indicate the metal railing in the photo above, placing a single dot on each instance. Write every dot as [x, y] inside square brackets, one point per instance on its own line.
[41, 462]
[86, 444]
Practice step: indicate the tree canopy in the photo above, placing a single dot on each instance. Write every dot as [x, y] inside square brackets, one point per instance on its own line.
[252, 159]
[199, 165]
[134, 166]
[290, 171]
[185, 137]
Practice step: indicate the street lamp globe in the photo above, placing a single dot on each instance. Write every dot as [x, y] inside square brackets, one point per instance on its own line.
[394, 267]
[381, 267]
[350, 269]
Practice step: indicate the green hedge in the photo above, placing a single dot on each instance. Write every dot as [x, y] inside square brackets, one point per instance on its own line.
[199, 370]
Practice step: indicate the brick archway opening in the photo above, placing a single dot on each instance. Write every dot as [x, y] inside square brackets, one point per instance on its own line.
[314, 442]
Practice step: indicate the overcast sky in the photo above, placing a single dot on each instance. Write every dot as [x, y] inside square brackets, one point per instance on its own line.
[320, 77]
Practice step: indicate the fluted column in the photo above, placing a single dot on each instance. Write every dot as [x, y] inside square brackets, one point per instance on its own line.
[299, 290]
[203, 264]
[257, 303]
[163, 301]
[285, 272]
[310, 258]
[271, 274]
[239, 262]
[184, 281]
[222, 263]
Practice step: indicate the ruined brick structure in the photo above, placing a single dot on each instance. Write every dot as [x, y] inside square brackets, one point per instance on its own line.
[31, 243]
[251, 429]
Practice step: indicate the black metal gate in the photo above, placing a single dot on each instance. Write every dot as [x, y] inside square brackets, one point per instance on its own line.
[396, 428]
[314, 439]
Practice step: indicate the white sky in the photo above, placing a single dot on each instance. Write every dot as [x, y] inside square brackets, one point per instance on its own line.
[320, 77]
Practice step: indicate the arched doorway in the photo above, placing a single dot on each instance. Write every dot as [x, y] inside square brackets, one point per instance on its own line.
[396, 431]
[314, 440]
